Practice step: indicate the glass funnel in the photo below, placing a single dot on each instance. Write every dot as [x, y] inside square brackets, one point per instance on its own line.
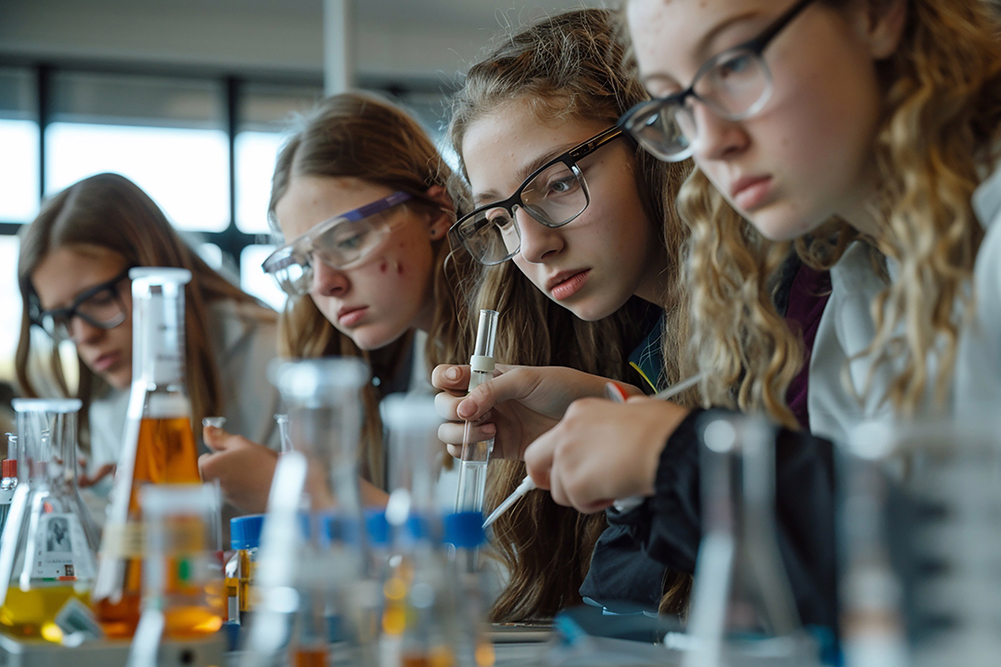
[47, 554]
[158, 442]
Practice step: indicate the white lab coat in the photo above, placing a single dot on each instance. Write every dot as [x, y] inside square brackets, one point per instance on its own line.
[978, 362]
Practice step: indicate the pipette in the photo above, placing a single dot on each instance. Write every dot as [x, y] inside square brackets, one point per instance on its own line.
[475, 455]
[283, 432]
[616, 393]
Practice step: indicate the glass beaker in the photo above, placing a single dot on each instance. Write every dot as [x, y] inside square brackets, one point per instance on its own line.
[47, 555]
[159, 445]
[415, 456]
[743, 610]
[183, 595]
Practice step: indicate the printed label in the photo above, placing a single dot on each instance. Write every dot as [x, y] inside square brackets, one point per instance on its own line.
[61, 550]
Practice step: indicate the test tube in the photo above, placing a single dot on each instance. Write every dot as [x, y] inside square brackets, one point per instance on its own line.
[475, 455]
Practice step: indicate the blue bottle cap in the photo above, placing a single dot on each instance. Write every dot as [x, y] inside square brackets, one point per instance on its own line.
[245, 531]
[465, 530]
[377, 528]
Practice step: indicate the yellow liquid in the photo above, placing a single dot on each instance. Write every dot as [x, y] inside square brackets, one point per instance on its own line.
[303, 657]
[166, 453]
[33, 613]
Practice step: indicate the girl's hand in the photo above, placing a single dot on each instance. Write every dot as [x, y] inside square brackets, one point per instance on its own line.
[84, 479]
[244, 468]
[517, 406]
[601, 451]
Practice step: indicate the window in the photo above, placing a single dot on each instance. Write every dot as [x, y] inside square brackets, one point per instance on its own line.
[19, 166]
[254, 281]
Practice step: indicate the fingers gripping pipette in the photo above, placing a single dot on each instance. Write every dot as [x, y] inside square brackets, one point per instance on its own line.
[475, 455]
[615, 393]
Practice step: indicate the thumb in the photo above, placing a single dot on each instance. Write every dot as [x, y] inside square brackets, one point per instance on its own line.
[512, 384]
[215, 438]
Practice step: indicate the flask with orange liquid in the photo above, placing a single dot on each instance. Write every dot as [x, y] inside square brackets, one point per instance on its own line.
[158, 442]
[47, 555]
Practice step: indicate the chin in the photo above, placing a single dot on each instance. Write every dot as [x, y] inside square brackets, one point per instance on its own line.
[370, 339]
[590, 312]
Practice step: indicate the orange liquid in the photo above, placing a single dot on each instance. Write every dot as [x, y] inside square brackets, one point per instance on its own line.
[166, 453]
[302, 657]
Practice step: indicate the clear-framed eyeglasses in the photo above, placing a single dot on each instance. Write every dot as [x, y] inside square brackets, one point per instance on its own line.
[100, 306]
[554, 194]
[340, 242]
[734, 85]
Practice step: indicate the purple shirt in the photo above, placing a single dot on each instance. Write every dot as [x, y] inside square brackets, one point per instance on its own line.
[808, 297]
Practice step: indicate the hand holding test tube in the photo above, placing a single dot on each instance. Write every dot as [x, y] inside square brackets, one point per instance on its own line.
[475, 455]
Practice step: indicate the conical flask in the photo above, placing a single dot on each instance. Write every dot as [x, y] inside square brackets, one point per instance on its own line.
[301, 576]
[743, 610]
[47, 554]
[158, 442]
[183, 594]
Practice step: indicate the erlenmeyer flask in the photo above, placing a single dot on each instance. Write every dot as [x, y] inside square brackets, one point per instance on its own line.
[743, 610]
[158, 443]
[323, 402]
[183, 591]
[8, 480]
[47, 555]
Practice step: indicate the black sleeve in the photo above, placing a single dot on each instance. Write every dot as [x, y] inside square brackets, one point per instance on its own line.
[804, 514]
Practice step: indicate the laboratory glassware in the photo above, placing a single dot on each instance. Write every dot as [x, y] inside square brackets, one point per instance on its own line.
[286, 439]
[8, 481]
[158, 441]
[472, 590]
[47, 555]
[415, 456]
[183, 590]
[244, 539]
[743, 611]
[475, 455]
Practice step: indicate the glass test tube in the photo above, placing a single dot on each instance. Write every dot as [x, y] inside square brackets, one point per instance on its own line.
[475, 455]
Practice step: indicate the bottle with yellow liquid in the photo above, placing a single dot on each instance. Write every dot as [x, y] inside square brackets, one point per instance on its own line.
[47, 554]
[158, 442]
[183, 593]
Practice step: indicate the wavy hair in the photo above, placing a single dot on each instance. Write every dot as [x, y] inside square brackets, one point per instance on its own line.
[940, 116]
[360, 136]
[112, 212]
[567, 66]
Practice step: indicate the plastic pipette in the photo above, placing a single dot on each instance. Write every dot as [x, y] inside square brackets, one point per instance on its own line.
[615, 393]
[283, 432]
[475, 455]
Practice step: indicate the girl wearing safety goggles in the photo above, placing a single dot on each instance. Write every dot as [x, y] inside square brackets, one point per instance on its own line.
[359, 197]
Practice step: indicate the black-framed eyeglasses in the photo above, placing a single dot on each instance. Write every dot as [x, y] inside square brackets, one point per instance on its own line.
[734, 84]
[554, 194]
[100, 306]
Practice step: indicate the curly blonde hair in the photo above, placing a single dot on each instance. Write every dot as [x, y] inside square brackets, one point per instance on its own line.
[942, 107]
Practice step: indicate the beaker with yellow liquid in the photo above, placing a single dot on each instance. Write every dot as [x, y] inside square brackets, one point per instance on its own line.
[159, 444]
[47, 553]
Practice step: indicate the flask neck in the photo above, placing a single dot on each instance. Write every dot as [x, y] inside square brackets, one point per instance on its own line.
[158, 340]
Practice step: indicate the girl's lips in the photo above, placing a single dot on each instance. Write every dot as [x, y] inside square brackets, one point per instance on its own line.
[570, 286]
[749, 193]
[106, 361]
[352, 317]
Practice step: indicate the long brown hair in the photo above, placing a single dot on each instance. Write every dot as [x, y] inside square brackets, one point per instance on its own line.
[360, 136]
[567, 66]
[112, 212]
[940, 119]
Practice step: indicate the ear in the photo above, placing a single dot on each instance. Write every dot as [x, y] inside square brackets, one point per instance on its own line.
[442, 219]
[884, 26]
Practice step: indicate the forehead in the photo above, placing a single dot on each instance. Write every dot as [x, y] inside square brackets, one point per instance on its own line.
[673, 37]
[310, 200]
[69, 270]
[499, 147]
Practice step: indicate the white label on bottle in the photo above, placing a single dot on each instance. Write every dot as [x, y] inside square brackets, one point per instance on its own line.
[61, 549]
[7, 495]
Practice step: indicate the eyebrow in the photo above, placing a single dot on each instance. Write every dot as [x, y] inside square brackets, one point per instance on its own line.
[526, 170]
[702, 46]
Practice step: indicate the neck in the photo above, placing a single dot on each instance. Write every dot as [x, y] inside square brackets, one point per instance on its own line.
[656, 281]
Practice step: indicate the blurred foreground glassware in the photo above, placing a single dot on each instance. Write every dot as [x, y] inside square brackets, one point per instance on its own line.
[183, 594]
[47, 554]
[158, 443]
[8, 481]
[743, 611]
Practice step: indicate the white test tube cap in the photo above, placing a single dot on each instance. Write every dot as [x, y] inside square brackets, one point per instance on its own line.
[57, 405]
[155, 275]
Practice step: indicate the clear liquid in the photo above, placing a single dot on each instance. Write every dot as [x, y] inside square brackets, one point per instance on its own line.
[32, 613]
[472, 484]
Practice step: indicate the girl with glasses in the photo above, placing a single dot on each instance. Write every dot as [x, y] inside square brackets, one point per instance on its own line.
[359, 198]
[584, 219]
[73, 276]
